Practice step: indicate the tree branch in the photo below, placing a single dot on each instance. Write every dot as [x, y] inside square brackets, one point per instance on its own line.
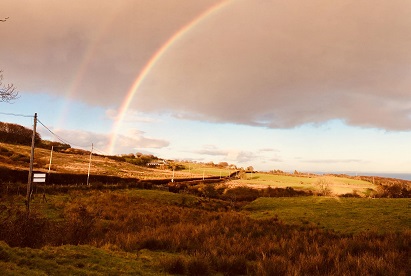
[8, 92]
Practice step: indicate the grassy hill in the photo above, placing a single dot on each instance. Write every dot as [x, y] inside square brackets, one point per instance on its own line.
[18, 157]
[77, 162]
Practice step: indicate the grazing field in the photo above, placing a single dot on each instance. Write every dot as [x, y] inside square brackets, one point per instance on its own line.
[200, 169]
[346, 215]
[77, 260]
[150, 232]
[337, 185]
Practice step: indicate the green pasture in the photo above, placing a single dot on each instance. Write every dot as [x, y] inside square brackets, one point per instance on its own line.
[338, 185]
[347, 215]
[77, 260]
[199, 170]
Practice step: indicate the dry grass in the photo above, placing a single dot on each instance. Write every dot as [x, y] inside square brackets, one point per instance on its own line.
[78, 163]
[205, 242]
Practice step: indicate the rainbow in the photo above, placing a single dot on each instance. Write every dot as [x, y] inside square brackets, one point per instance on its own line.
[82, 68]
[151, 63]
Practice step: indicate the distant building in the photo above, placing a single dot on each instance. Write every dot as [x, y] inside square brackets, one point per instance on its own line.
[157, 163]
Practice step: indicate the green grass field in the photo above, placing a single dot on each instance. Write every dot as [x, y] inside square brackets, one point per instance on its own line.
[200, 169]
[78, 260]
[151, 232]
[338, 185]
[347, 215]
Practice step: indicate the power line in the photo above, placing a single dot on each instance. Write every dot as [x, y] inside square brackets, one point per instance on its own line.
[17, 115]
[100, 151]
[58, 137]
[54, 134]
[67, 142]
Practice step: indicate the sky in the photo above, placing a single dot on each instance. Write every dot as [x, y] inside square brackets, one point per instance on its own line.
[314, 86]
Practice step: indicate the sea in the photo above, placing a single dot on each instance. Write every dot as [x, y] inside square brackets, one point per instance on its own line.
[403, 176]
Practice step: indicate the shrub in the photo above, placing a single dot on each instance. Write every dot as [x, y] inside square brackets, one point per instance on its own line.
[24, 230]
[174, 265]
[241, 194]
[323, 185]
[198, 266]
[79, 224]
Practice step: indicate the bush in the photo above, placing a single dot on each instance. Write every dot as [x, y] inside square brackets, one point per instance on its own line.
[174, 265]
[241, 194]
[198, 266]
[24, 230]
[79, 224]
[323, 185]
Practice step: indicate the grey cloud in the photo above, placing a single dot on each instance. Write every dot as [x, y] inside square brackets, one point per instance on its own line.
[131, 116]
[282, 64]
[232, 155]
[246, 156]
[76, 138]
[138, 142]
[212, 150]
[240, 156]
[276, 64]
[125, 143]
[88, 50]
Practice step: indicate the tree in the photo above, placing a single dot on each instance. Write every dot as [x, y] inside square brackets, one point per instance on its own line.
[17, 134]
[7, 92]
[223, 164]
[323, 185]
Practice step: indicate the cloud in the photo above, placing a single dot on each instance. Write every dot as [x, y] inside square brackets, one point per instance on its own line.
[130, 116]
[268, 150]
[334, 161]
[277, 160]
[134, 140]
[275, 64]
[138, 142]
[240, 157]
[282, 64]
[212, 150]
[89, 50]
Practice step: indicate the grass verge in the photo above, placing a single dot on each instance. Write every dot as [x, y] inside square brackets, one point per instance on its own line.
[346, 215]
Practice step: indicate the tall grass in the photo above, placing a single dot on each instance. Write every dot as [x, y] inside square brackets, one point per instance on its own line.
[206, 242]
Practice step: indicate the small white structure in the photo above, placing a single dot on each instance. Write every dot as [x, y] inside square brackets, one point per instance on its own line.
[157, 163]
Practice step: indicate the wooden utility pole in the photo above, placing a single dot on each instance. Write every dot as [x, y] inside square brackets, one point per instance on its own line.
[30, 180]
[89, 164]
[51, 157]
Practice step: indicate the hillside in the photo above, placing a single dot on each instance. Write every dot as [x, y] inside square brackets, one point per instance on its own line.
[18, 157]
[74, 161]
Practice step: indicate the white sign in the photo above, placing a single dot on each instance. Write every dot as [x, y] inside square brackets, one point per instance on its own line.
[39, 177]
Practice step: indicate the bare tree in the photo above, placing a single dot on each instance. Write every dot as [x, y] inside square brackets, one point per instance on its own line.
[7, 92]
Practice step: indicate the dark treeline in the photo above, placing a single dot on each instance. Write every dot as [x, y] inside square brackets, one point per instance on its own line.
[20, 135]
[17, 134]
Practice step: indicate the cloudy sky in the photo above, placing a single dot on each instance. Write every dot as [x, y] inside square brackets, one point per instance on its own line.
[321, 86]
